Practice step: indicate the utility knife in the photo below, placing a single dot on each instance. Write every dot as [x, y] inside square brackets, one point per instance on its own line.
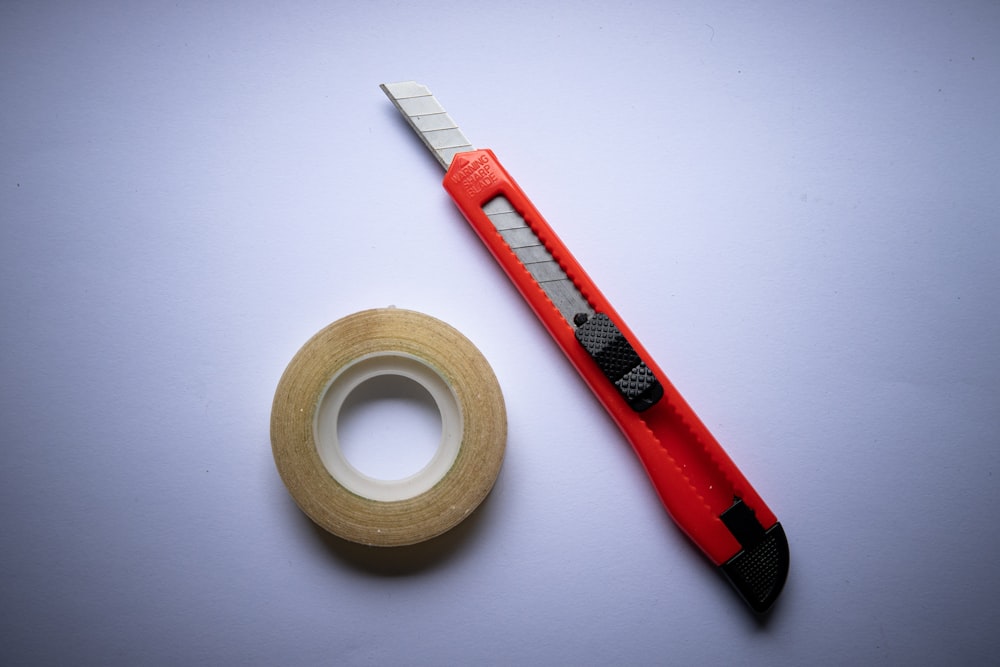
[700, 487]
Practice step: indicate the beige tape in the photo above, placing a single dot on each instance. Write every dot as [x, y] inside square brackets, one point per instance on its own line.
[323, 373]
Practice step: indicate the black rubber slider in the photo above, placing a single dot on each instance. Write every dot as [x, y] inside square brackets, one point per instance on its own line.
[619, 361]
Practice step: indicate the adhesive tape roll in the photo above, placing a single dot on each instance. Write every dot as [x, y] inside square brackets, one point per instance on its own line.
[341, 357]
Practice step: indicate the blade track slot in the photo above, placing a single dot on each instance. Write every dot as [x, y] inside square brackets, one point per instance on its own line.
[536, 258]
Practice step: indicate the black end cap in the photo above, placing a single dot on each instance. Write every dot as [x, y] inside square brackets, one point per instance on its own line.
[758, 573]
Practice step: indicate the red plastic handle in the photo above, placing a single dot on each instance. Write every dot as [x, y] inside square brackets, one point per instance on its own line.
[692, 474]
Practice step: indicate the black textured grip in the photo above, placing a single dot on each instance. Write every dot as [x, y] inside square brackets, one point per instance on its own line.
[619, 361]
[759, 573]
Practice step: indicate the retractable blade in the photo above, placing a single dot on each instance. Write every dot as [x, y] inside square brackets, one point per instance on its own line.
[700, 487]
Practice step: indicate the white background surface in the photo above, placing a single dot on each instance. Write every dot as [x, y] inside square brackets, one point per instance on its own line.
[793, 205]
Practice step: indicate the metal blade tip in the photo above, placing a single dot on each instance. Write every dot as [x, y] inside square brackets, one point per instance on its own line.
[404, 89]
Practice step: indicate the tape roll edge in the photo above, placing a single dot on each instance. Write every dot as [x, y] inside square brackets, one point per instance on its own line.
[388, 523]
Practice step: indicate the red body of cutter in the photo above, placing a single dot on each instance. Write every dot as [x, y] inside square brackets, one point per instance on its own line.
[701, 488]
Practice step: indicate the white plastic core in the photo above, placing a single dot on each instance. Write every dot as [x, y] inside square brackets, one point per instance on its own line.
[331, 401]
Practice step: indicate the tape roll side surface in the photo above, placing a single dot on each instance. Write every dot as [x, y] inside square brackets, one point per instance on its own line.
[460, 365]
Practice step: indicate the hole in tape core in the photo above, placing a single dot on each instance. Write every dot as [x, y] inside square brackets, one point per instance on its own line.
[389, 427]
[392, 479]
